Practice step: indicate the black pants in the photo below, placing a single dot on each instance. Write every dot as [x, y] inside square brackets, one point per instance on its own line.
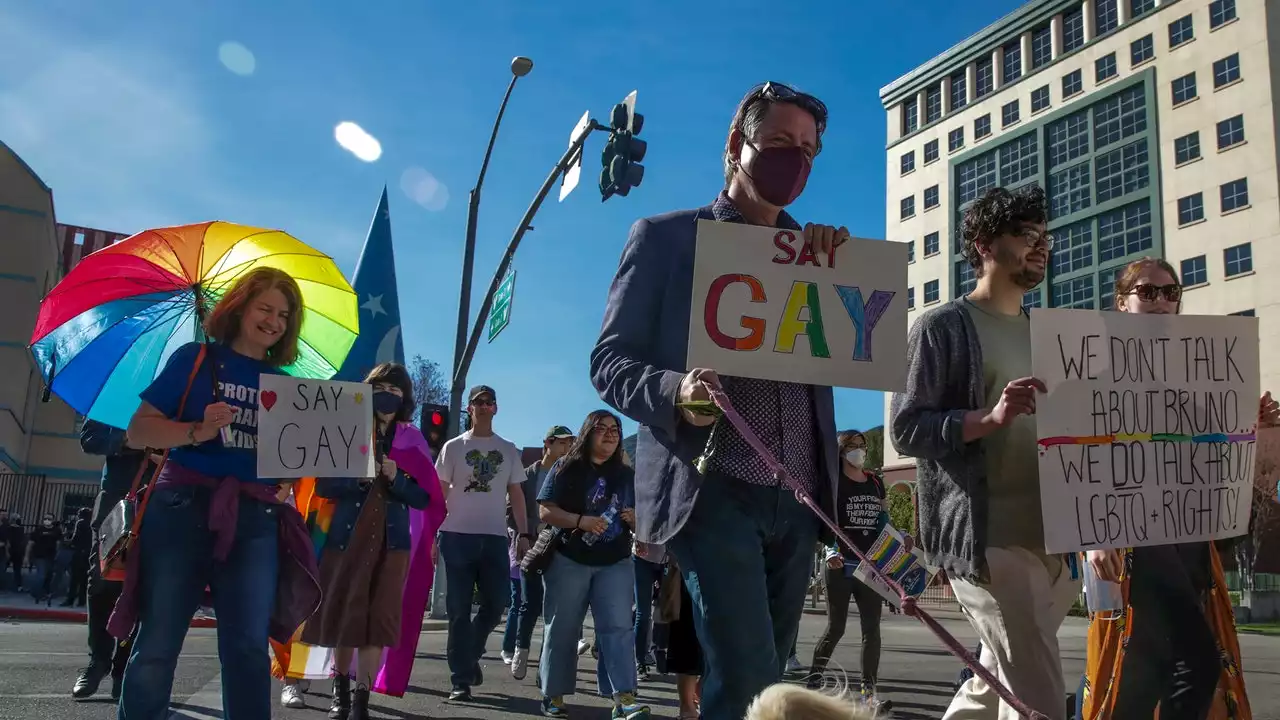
[1172, 657]
[79, 584]
[839, 589]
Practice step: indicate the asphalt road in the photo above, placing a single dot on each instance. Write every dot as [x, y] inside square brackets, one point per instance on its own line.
[39, 661]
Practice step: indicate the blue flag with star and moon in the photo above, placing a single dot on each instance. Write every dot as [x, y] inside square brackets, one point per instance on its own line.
[375, 285]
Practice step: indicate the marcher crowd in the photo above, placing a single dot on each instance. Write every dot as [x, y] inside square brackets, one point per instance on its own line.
[695, 569]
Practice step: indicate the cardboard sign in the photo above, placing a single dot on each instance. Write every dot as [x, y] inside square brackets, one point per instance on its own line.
[890, 555]
[767, 305]
[1147, 435]
[314, 428]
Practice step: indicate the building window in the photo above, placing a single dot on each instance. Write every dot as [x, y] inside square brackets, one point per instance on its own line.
[1237, 260]
[1181, 31]
[1194, 271]
[1104, 68]
[1125, 231]
[1068, 139]
[1186, 148]
[1072, 248]
[932, 104]
[930, 151]
[1230, 132]
[931, 198]
[955, 139]
[985, 77]
[1072, 83]
[1041, 47]
[1245, 313]
[1221, 12]
[1107, 287]
[1039, 99]
[911, 298]
[931, 244]
[1235, 195]
[966, 278]
[907, 207]
[1019, 160]
[1119, 117]
[1106, 16]
[1191, 209]
[1009, 114]
[1012, 62]
[1073, 30]
[931, 292]
[975, 177]
[1226, 70]
[911, 251]
[959, 91]
[1076, 293]
[1141, 7]
[1142, 50]
[908, 162]
[910, 116]
[982, 127]
[1184, 89]
[1069, 191]
[1032, 299]
[1122, 171]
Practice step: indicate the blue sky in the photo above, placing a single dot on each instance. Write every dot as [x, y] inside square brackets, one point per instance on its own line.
[127, 112]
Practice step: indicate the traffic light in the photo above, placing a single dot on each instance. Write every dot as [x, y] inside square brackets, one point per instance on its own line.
[435, 424]
[624, 151]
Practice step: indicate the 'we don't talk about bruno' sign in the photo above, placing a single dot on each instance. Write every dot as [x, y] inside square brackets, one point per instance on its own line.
[314, 428]
[1148, 433]
[767, 305]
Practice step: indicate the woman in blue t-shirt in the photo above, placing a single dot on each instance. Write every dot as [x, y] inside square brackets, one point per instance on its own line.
[589, 494]
[210, 520]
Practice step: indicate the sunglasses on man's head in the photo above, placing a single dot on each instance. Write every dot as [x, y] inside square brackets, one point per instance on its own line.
[777, 92]
[1149, 293]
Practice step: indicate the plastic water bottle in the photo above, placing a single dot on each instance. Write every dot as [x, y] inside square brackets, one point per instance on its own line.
[609, 515]
[1101, 595]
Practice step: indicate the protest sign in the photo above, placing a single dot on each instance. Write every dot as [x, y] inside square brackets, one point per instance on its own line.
[890, 555]
[314, 428]
[1147, 433]
[767, 305]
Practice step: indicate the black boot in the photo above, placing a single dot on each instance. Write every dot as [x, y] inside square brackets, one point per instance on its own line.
[341, 707]
[360, 702]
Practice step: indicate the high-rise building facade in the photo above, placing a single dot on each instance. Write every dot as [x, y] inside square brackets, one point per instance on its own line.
[1150, 124]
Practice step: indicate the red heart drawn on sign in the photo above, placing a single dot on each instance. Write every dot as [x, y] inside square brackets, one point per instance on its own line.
[364, 449]
[268, 399]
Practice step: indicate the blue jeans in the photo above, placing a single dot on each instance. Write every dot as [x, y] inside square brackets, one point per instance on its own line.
[177, 564]
[526, 608]
[570, 589]
[472, 562]
[745, 555]
[647, 573]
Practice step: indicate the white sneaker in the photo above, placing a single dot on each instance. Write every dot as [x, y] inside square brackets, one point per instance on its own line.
[583, 647]
[794, 664]
[520, 663]
[506, 657]
[291, 697]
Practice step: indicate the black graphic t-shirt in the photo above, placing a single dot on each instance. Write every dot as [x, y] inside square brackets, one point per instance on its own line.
[584, 489]
[860, 512]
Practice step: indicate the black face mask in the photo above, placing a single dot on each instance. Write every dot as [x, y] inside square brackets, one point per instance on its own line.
[386, 403]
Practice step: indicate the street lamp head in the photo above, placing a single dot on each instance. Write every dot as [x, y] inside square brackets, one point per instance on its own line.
[521, 65]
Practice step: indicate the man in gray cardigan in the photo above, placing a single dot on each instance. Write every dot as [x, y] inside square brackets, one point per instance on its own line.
[967, 416]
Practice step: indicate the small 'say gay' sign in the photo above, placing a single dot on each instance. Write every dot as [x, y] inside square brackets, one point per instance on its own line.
[314, 428]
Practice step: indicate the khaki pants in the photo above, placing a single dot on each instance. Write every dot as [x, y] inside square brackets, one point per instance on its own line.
[1017, 616]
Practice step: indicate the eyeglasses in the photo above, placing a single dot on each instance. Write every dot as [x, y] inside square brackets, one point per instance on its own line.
[778, 92]
[483, 402]
[608, 430]
[1035, 237]
[1149, 293]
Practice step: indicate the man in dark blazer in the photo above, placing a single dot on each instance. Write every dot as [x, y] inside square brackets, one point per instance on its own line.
[744, 544]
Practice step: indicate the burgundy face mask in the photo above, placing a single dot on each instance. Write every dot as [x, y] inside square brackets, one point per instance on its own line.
[779, 173]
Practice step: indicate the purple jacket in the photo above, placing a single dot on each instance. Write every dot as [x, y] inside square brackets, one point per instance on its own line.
[298, 586]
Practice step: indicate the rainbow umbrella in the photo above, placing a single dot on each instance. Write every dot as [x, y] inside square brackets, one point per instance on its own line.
[108, 328]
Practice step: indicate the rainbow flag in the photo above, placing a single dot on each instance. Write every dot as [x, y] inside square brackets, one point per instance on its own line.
[301, 661]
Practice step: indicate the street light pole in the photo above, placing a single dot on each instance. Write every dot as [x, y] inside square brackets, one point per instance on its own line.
[520, 66]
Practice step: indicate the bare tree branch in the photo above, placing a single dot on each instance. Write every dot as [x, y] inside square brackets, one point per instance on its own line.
[429, 385]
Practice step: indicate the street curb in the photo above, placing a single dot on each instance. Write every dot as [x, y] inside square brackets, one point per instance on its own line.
[74, 616]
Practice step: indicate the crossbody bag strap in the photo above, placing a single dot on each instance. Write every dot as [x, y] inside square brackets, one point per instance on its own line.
[146, 493]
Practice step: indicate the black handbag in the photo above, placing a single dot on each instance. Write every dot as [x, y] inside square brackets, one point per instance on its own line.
[538, 559]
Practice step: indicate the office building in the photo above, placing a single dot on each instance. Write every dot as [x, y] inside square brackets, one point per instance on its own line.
[1149, 123]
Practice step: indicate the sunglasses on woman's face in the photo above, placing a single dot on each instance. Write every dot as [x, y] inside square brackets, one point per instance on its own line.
[1149, 293]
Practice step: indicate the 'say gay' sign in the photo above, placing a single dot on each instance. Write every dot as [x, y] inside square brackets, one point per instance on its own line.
[767, 305]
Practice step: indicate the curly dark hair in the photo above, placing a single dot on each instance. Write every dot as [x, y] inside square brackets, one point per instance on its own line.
[1000, 212]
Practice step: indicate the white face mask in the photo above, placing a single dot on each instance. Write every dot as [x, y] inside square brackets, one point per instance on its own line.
[856, 457]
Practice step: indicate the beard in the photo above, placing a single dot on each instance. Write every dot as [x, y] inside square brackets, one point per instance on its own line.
[1021, 273]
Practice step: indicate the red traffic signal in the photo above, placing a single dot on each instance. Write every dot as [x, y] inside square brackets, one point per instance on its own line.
[435, 421]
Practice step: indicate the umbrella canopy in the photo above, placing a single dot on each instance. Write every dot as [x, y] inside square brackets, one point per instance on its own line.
[108, 328]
